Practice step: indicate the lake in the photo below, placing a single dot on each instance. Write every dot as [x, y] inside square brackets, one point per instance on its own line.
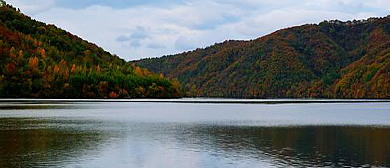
[193, 133]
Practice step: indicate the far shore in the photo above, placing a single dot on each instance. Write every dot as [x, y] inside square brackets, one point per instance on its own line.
[196, 100]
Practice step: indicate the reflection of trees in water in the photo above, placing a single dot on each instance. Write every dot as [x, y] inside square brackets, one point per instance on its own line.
[55, 143]
[31, 143]
[299, 146]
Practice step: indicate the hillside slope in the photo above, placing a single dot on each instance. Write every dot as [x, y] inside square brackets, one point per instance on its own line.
[40, 60]
[333, 59]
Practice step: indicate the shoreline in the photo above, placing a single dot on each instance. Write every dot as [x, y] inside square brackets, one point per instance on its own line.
[197, 100]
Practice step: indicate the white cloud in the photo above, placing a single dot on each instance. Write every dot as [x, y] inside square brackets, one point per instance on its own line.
[33, 6]
[379, 4]
[148, 31]
[262, 24]
[183, 43]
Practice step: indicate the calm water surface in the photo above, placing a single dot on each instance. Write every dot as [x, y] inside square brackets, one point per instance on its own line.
[186, 135]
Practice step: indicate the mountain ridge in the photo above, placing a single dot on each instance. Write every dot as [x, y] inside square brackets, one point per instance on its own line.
[312, 60]
[39, 60]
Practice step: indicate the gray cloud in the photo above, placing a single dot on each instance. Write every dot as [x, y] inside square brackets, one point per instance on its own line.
[139, 33]
[118, 4]
[159, 27]
[123, 38]
[135, 43]
[156, 46]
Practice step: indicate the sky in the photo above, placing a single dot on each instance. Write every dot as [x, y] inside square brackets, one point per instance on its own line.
[135, 29]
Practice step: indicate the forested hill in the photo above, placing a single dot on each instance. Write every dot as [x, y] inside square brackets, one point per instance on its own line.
[42, 61]
[333, 59]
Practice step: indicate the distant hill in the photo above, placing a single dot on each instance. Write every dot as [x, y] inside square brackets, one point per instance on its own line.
[42, 61]
[333, 59]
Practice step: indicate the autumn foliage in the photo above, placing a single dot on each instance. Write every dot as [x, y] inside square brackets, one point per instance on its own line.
[333, 59]
[40, 60]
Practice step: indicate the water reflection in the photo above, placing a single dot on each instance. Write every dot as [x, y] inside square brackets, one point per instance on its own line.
[27, 142]
[309, 146]
[194, 135]
[35, 106]
[31, 105]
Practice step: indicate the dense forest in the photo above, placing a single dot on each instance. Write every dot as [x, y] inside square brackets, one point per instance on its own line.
[42, 61]
[333, 59]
